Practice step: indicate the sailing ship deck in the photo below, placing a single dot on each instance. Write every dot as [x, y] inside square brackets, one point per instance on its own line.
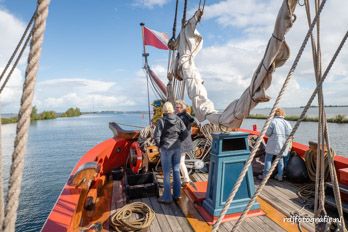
[281, 195]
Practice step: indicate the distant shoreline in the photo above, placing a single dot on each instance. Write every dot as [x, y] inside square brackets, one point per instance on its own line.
[340, 118]
[326, 106]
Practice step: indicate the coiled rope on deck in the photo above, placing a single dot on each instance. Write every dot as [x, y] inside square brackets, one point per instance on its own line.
[311, 164]
[24, 116]
[132, 217]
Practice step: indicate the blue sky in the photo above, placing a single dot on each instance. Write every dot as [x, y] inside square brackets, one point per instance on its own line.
[92, 51]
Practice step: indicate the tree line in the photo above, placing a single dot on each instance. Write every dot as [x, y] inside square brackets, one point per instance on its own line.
[45, 115]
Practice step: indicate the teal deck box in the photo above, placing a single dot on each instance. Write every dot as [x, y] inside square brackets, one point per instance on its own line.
[228, 155]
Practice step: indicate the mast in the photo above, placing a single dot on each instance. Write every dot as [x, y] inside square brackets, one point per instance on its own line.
[145, 55]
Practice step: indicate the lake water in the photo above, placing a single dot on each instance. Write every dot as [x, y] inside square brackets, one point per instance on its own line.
[55, 146]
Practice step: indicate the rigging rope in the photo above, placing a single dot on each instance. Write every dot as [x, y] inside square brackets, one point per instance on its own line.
[267, 123]
[321, 123]
[175, 17]
[264, 181]
[154, 86]
[183, 21]
[125, 218]
[199, 5]
[24, 116]
[322, 129]
[319, 172]
[25, 34]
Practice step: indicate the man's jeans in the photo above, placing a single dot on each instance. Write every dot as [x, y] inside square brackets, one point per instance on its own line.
[170, 159]
[268, 163]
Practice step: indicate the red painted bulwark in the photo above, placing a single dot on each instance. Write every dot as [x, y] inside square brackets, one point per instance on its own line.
[343, 174]
[109, 154]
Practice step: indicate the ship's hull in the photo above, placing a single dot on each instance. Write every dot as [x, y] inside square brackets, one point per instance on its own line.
[67, 212]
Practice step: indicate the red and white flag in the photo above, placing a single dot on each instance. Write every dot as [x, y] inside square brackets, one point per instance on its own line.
[155, 38]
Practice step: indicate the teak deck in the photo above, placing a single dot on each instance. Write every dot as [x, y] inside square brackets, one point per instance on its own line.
[278, 200]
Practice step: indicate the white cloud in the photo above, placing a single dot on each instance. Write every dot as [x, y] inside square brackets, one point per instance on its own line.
[59, 94]
[11, 29]
[10, 97]
[227, 69]
[150, 3]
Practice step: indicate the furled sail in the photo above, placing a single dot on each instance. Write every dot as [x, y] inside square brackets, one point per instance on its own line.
[277, 52]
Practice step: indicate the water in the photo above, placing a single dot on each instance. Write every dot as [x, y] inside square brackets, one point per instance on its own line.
[55, 146]
[53, 149]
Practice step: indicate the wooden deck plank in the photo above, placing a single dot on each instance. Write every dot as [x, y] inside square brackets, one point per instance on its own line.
[249, 225]
[203, 176]
[278, 210]
[180, 217]
[290, 191]
[245, 226]
[170, 215]
[155, 227]
[256, 224]
[196, 221]
[161, 218]
[268, 224]
[287, 204]
[229, 225]
[196, 177]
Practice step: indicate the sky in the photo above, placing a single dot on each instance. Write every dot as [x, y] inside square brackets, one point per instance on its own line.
[92, 52]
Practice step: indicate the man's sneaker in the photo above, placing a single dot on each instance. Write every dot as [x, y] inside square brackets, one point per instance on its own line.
[278, 178]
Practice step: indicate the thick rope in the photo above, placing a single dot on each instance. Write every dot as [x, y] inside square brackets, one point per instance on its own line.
[314, 54]
[24, 116]
[279, 156]
[127, 218]
[317, 70]
[267, 123]
[321, 124]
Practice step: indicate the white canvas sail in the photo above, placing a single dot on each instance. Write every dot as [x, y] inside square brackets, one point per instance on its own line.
[276, 54]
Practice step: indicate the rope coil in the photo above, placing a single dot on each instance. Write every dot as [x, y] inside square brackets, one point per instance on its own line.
[132, 217]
